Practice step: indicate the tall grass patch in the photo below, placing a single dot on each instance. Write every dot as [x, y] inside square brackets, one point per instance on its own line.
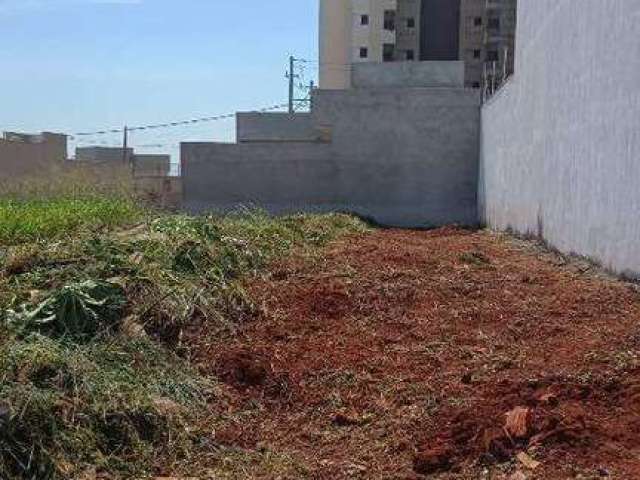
[32, 220]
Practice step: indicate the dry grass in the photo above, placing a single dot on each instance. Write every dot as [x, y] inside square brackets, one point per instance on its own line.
[71, 181]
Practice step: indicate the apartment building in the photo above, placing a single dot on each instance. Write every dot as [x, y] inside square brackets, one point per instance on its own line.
[354, 31]
[487, 39]
[373, 30]
[440, 23]
[408, 30]
[479, 32]
[500, 36]
[473, 21]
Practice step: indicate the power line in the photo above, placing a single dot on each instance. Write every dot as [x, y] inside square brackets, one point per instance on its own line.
[315, 62]
[170, 124]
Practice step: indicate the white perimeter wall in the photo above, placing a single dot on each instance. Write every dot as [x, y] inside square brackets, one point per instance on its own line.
[561, 142]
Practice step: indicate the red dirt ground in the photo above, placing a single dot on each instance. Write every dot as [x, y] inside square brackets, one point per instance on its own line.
[399, 354]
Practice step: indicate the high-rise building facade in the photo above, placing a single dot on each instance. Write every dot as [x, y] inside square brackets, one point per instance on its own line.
[473, 20]
[500, 36]
[487, 39]
[408, 30]
[353, 31]
[440, 22]
[479, 32]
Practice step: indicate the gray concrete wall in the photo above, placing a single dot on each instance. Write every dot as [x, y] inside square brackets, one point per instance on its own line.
[108, 155]
[147, 165]
[275, 127]
[561, 141]
[161, 191]
[407, 74]
[403, 157]
[25, 155]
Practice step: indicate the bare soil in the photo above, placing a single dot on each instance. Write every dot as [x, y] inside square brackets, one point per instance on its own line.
[442, 354]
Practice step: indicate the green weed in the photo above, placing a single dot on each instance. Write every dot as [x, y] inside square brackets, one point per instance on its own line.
[32, 220]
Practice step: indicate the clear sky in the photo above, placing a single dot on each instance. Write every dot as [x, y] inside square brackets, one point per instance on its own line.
[78, 65]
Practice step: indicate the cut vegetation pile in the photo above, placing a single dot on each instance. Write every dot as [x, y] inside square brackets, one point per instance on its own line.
[95, 295]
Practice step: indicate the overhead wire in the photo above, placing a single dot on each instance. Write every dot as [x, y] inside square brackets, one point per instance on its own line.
[169, 124]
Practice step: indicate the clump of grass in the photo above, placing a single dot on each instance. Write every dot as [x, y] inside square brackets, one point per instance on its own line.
[21, 259]
[102, 404]
[475, 258]
[94, 369]
[32, 220]
[230, 464]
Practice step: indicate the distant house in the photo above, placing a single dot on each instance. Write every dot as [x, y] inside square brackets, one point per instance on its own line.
[103, 155]
[23, 154]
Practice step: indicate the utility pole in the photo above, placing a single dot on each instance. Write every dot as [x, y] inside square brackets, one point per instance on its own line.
[125, 140]
[291, 75]
[311, 87]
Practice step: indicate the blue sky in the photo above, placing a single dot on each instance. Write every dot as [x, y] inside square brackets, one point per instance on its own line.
[77, 65]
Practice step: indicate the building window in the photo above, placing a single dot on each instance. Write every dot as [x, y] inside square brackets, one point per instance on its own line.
[475, 85]
[411, 55]
[477, 21]
[494, 23]
[364, 52]
[411, 22]
[476, 53]
[390, 20]
[492, 56]
[364, 19]
[388, 51]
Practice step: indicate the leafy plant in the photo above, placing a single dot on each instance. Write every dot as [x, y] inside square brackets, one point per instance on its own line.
[79, 309]
[189, 257]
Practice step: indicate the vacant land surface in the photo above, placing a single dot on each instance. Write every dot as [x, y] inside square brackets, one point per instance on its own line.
[141, 344]
[449, 353]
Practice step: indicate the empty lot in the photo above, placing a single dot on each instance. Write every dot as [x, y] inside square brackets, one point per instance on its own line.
[397, 354]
